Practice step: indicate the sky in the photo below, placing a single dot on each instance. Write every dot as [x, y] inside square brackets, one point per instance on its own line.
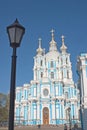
[39, 17]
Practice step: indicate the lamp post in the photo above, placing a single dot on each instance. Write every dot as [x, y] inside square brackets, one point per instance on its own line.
[69, 109]
[15, 33]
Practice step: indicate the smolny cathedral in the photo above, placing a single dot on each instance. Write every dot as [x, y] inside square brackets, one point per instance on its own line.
[52, 97]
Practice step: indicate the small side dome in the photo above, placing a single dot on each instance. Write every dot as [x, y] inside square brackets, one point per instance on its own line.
[63, 48]
[39, 50]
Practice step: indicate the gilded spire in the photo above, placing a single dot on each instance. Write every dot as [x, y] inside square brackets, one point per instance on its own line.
[52, 34]
[62, 39]
[53, 46]
[63, 47]
[39, 50]
[39, 42]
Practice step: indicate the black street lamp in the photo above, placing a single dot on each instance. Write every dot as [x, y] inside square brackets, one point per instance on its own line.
[69, 109]
[15, 33]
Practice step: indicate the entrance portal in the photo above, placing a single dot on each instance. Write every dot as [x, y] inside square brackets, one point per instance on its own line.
[45, 116]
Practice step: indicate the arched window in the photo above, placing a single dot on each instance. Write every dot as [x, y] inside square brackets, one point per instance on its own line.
[51, 64]
[58, 60]
[52, 75]
[66, 61]
[79, 115]
[66, 95]
[41, 63]
[67, 74]
[61, 61]
[41, 74]
[67, 115]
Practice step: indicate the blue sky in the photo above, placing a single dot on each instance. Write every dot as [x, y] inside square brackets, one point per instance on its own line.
[66, 17]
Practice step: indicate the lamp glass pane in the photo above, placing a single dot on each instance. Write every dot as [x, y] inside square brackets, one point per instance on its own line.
[19, 33]
[11, 35]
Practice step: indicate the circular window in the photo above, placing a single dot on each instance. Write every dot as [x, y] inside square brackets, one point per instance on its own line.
[45, 92]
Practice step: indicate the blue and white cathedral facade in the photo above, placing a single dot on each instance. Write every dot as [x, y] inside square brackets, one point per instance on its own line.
[52, 96]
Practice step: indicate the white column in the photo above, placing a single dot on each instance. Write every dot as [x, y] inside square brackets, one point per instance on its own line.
[53, 111]
[38, 111]
[60, 110]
